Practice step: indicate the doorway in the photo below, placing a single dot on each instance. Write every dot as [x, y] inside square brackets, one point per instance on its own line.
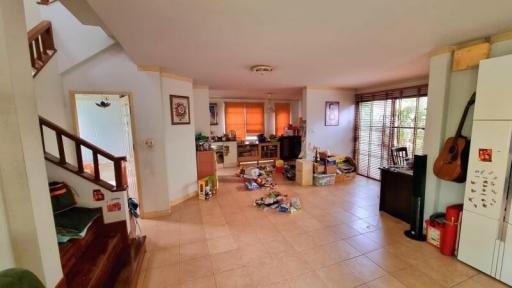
[106, 120]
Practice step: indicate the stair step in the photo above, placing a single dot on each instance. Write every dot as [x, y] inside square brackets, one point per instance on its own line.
[94, 268]
[129, 276]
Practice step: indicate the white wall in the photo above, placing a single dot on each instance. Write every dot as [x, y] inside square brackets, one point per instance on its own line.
[6, 253]
[84, 189]
[180, 143]
[112, 70]
[75, 42]
[336, 139]
[448, 94]
[201, 110]
[22, 169]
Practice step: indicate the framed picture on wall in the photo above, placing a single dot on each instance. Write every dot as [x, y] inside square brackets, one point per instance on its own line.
[332, 113]
[214, 114]
[180, 109]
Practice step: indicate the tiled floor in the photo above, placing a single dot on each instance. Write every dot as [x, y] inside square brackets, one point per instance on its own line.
[339, 239]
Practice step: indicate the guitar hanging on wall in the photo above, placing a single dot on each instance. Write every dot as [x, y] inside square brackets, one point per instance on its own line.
[452, 162]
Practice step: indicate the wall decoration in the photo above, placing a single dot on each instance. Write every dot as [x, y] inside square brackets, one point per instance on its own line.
[114, 205]
[180, 109]
[332, 113]
[213, 114]
[98, 195]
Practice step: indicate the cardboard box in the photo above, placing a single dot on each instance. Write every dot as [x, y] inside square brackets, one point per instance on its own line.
[330, 169]
[340, 178]
[318, 168]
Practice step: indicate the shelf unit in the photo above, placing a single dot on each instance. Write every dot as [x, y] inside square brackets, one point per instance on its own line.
[248, 153]
[269, 151]
[258, 152]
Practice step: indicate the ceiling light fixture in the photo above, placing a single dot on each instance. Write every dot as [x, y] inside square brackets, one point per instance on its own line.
[103, 103]
[262, 69]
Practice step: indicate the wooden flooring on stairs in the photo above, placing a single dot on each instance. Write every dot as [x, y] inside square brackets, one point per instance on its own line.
[105, 257]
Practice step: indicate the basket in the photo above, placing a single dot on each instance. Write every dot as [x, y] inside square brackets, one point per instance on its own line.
[324, 179]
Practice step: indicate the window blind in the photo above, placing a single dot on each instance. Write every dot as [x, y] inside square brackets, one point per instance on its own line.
[282, 115]
[388, 119]
[235, 118]
[255, 119]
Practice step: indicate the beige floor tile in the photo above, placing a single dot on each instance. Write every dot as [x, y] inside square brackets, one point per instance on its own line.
[339, 239]
[481, 281]
[386, 282]
[317, 257]
[364, 268]
[162, 277]
[308, 280]
[222, 244]
[265, 272]
[163, 257]
[302, 241]
[205, 282]
[446, 270]
[341, 250]
[227, 261]
[196, 268]
[337, 275]
[215, 231]
[292, 266]
[388, 260]
[193, 250]
[236, 278]
[414, 278]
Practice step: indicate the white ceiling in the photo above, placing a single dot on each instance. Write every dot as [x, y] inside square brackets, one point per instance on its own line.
[338, 43]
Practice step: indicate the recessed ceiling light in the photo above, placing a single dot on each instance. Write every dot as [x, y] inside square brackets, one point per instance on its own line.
[262, 69]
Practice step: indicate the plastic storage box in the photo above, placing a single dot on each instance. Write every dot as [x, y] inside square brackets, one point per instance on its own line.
[324, 179]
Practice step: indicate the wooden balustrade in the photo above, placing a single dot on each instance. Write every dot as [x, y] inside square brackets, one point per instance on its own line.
[40, 45]
[121, 182]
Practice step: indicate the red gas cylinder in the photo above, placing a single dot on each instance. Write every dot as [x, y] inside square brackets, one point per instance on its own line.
[451, 224]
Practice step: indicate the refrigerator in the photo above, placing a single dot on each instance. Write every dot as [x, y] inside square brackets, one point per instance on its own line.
[485, 240]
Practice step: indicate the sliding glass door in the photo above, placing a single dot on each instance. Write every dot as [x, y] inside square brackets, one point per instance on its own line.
[385, 120]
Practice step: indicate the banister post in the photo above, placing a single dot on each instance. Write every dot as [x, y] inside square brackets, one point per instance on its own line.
[120, 173]
[96, 165]
[79, 160]
[60, 146]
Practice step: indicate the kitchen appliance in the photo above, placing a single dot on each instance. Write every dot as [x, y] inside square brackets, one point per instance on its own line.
[226, 154]
[486, 229]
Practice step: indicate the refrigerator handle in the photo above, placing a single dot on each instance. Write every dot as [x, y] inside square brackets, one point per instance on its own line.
[508, 201]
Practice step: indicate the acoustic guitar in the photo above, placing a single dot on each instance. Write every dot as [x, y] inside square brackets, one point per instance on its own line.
[452, 162]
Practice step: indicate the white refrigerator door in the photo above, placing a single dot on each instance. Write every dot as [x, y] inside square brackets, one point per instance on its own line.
[506, 267]
[478, 245]
[494, 89]
[489, 163]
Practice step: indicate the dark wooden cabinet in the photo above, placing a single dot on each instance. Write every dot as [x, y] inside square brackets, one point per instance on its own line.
[396, 191]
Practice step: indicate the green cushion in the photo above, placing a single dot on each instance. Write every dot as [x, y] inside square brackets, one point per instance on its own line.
[62, 197]
[73, 223]
[19, 278]
[76, 218]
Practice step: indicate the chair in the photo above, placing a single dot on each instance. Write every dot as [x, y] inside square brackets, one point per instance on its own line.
[399, 156]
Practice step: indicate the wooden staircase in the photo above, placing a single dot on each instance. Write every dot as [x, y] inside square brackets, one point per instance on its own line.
[119, 163]
[106, 256]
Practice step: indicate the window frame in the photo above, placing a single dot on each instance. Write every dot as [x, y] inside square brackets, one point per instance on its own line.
[387, 127]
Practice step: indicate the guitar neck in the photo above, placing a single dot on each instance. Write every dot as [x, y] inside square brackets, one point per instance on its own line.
[471, 101]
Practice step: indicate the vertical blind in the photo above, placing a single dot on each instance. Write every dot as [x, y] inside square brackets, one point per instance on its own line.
[387, 119]
[282, 111]
[246, 119]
